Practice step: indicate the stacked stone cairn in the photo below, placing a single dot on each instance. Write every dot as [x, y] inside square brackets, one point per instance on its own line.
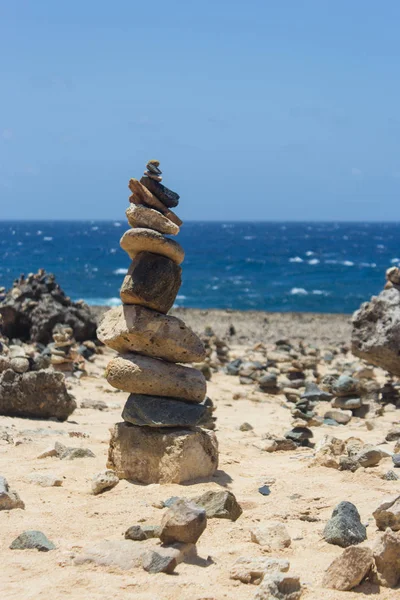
[63, 351]
[160, 439]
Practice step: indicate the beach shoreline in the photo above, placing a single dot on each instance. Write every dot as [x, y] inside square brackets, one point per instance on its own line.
[254, 326]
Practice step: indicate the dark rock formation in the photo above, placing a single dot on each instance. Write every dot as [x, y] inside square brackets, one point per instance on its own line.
[35, 304]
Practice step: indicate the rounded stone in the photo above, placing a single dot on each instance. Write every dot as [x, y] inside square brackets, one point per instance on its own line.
[147, 240]
[19, 364]
[142, 216]
[103, 481]
[139, 374]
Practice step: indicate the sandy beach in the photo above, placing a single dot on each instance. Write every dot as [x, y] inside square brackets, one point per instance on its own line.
[302, 495]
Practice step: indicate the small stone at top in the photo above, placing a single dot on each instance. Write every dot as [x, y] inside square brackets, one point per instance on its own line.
[153, 176]
[153, 168]
[154, 162]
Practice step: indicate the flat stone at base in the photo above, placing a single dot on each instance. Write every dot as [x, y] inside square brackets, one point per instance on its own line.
[149, 455]
[152, 281]
[158, 411]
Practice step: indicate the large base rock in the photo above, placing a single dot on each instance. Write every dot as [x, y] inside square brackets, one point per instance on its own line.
[150, 455]
[376, 331]
[35, 394]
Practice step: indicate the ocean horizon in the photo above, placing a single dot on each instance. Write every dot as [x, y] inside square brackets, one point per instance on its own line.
[279, 266]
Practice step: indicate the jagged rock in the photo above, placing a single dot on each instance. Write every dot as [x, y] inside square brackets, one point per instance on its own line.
[348, 569]
[8, 498]
[344, 528]
[73, 453]
[166, 456]
[220, 504]
[157, 411]
[344, 386]
[142, 216]
[147, 240]
[37, 394]
[388, 514]
[106, 480]
[313, 393]
[252, 569]
[376, 331]
[269, 384]
[165, 560]
[272, 536]
[393, 435]
[387, 559]
[144, 375]
[142, 196]
[138, 329]
[300, 435]
[140, 533]
[279, 586]
[184, 522]
[369, 457]
[29, 540]
[152, 281]
[31, 312]
[169, 198]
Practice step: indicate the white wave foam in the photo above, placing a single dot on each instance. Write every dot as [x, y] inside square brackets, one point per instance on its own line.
[47, 239]
[309, 253]
[320, 293]
[298, 292]
[313, 261]
[296, 259]
[249, 237]
[102, 301]
[116, 224]
[94, 228]
[395, 260]
[348, 263]
[120, 271]
[181, 297]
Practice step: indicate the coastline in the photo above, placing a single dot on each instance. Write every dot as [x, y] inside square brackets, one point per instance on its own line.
[254, 326]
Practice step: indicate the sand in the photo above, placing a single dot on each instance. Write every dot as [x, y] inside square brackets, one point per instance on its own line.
[302, 497]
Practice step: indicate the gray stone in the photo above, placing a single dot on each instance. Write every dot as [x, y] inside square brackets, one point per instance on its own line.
[134, 328]
[314, 394]
[393, 435]
[344, 386]
[184, 522]
[19, 364]
[165, 560]
[388, 514]
[139, 374]
[369, 457]
[152, 281]
[347, 403]
[253, 569]
[29, 540]
[171, 455]
[344, 528]
[8, 498]
[300, 435]
[376, 331]
[73, 453]
[106, 480]
[220, 504]
[390, 476]
[157, 411]
[169, 198]
[396, 460]
[340, 416]
[268, 383]
[246, 427]
[94, 404]
[349, 569]
[35, 394]
[279, 586]
[135, 533]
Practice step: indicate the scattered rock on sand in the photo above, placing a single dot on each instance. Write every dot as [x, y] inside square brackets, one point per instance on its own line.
[140, 533]
[388, 514]
[112, 553]
[279, 586]
[344, 528]
[387, 559]
[8, 498]
[165, 560]
[220, 504]
[271, 536]
[184, 522]
[29, 540]
[348, 569]
[103, 481]
[45, 479]
[252, 569]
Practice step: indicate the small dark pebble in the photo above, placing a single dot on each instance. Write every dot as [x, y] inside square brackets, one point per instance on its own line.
[264, 490]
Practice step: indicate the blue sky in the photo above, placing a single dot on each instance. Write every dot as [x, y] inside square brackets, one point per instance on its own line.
[257, 110]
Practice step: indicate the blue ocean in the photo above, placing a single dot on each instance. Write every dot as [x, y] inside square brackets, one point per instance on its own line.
[317, 267]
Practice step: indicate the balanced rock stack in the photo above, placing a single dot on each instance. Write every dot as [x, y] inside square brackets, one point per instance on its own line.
[160, 439]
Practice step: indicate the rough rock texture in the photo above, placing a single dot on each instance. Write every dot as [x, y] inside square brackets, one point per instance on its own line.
[183, 522]
[32, 540]
[37, 394]
[171, 456]
[344, 528]
[220, 504]
[348, 569]
[279, 586]
[388, 514]
[103, 481]
[139, 374]
[8, 498]
[147, 240]
[387, 559]
[272, 536]
[376, 331]
[45, 479]
[252, 569]
[157, 411]
[152, 281]
[165, 560]
[138, 329]
[35, 305]
[141, 216]
[141, 195]
[169, 198]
